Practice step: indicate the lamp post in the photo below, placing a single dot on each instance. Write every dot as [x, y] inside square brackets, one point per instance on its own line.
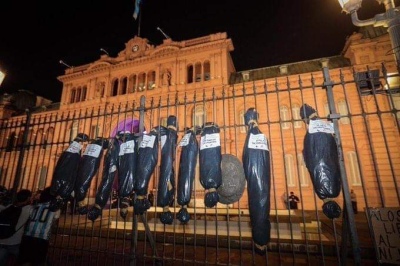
[389, 19]
[2, 76]
[104, 51]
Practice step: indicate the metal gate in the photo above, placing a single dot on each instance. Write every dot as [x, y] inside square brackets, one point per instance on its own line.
[363, 107]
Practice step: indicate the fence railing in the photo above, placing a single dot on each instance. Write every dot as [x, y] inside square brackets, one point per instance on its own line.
[365, 117]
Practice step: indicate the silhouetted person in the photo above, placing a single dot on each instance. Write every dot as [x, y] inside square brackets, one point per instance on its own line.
[293, 200]
[10, 246]
[353, 197]
[150, 197]
[35, 241]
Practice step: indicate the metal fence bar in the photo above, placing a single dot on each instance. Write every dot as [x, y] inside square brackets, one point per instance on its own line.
[222, 236]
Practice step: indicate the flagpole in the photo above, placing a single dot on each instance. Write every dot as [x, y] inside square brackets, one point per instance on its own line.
[137, 13]
[140, 19]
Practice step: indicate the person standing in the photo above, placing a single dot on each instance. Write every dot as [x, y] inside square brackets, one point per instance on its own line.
[293, 201]
[10, 246]
[353, 197]
[5, 198]
[150, 197]
[35, 241]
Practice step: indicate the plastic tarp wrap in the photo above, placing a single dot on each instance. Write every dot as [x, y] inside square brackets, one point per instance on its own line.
[110, 170]
[256, 164]
[127, 164]
[127, 169]
[166, 182]
[322, 161]
[66, 170]
[210, 163]
[147, 161]
[187, 172]
[88, 168]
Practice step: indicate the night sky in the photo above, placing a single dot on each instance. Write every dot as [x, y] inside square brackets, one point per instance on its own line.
[36, 35]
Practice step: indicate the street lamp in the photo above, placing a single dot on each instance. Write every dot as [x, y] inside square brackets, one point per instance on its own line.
[2, 76]
[389, 19]
[65, 64]
[104, 51]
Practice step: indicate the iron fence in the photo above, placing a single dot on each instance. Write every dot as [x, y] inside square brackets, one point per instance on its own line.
[362, 106]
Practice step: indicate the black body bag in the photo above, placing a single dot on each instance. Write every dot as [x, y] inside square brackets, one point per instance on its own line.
[147, 161]
[210, 163]
[166, 182]
[66, 171]
[187, 171]
[256, 164]
[88, 168]
[322, 161]
[127, 170]
[110, 170]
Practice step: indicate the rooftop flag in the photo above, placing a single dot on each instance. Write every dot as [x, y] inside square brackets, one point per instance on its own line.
[137, 9]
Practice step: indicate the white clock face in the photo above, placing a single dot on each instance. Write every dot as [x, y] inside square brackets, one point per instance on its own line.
[135, 48]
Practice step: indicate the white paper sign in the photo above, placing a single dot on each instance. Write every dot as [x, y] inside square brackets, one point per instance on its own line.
[128, 147]
[92, 150]
[320, 126]
[210, 141]
[121, 149]
[258, 142]
[386, 228]
[148, 141]
[74, 147]
[185, 140]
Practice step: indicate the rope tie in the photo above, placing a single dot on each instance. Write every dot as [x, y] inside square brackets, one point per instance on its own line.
[253, 121]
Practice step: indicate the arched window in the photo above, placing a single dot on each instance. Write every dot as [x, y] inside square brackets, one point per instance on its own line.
[197, 72]
[73, 130]
[124, 84]
[10, 141]
[42, 174]
[242, 128]
[206, 70]
[94, 131]
[141, 82]
[78, 95]
[132, 83]
[30, 138]
[296, 116]
[190, 74]
[151, 80]
[199, 116]
[354, 169]
[83, 95]
[20, 139]
[72, 96]
[48, 138]
[342, 108]
[39, 136]
[303, 172]
[115, 88]
[284, 111]
[4, 139]
[289, 167]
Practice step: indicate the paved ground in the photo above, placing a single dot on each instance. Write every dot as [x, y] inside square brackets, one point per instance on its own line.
[80, 242]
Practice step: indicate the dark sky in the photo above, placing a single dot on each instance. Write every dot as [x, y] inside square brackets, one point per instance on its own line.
[35, 35]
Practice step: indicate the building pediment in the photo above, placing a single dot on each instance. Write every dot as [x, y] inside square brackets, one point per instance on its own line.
[98, 65]
[164, 50]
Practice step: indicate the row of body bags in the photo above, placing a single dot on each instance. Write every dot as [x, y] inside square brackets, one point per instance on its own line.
[132, 161]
